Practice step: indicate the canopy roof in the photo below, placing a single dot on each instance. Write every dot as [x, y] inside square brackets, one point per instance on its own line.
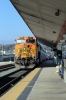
[45, 18]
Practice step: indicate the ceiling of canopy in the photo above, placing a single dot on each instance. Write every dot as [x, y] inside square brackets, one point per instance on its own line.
[45, 18]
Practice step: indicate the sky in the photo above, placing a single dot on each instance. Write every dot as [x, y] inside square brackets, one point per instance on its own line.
[12, 25]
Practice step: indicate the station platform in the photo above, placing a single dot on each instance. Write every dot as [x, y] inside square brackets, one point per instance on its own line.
[48, 86]
[6, 63]
[41, 84]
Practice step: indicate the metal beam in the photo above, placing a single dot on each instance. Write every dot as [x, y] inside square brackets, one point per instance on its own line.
[63, 30]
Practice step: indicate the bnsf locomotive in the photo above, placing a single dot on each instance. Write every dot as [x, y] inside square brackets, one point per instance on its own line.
[28, 50]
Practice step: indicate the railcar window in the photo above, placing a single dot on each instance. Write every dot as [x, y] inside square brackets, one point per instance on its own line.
[30, 41]
[20, 41]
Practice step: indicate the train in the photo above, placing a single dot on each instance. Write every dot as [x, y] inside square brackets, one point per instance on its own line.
[28, 51]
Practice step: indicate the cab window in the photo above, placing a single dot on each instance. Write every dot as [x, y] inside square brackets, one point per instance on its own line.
[30, 41]
[20, 41]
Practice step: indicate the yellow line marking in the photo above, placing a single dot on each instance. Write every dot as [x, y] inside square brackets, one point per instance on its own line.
[14, 93]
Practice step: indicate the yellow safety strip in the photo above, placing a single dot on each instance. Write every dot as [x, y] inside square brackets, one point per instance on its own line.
[14, 93]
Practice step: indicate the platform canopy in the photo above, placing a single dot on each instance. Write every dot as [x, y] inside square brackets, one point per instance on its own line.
[45, 18]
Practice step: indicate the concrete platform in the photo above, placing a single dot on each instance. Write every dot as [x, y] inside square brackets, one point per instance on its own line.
[6, 63]
[48, 86]
[5, 72]
[41, 84]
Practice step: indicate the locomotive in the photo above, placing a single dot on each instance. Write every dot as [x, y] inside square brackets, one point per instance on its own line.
[28, 50]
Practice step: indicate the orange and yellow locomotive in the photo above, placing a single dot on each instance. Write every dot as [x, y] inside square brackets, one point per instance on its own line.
[28, 50]
[25, 50]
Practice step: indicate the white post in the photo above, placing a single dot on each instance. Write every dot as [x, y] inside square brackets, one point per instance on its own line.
[65, 70]
[2, 50]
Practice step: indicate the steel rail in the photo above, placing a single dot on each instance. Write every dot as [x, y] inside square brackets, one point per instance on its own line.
[7, 86]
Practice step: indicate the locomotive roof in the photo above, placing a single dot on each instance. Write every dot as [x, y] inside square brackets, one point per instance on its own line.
[25, 37]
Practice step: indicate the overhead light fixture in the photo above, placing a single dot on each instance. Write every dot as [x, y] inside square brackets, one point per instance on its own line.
[62, 40]
[58, 12]
[59, 45]
[54, 32]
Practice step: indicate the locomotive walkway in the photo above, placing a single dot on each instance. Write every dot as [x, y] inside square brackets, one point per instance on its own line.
[45, 85]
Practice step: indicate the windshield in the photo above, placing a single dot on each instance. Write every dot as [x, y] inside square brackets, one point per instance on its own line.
[30, 41]
[20, 41]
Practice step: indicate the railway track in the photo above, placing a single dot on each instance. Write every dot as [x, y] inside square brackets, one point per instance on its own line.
[10, 80]
[7, 68]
